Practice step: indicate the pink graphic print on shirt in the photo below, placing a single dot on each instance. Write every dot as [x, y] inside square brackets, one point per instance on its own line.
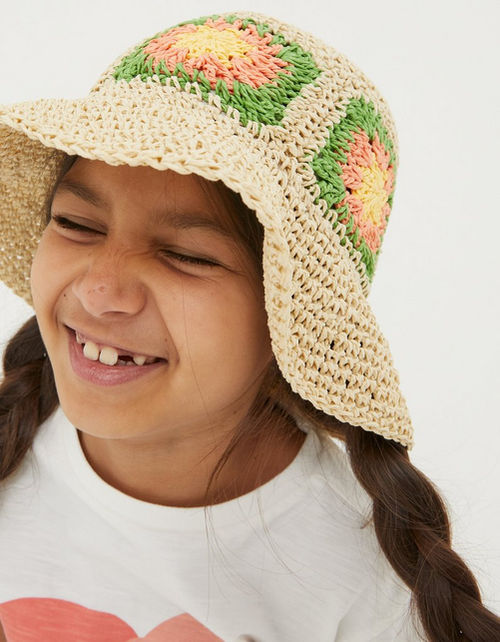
[32, 619]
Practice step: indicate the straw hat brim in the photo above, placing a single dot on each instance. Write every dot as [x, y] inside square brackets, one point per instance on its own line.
[324, 334]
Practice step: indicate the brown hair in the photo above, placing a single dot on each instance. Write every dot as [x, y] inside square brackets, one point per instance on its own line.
[409, 516]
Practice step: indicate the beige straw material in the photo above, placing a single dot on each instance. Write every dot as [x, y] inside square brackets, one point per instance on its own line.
[324, 334]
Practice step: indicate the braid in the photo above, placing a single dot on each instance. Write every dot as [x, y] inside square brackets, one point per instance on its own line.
[413, 530]
[27, 395]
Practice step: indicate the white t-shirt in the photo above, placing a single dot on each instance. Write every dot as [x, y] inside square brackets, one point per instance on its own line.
[81, 561]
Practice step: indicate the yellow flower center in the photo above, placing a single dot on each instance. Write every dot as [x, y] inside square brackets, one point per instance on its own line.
[372, 193]
[207, 40]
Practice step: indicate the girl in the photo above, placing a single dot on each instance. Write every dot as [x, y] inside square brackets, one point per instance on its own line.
[202, 434]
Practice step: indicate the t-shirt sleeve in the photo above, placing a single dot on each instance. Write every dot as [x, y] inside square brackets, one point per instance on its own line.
[381, 611]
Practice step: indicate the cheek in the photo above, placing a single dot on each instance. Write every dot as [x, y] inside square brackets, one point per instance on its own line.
[49, 275]
[224, 326]
[42, 275]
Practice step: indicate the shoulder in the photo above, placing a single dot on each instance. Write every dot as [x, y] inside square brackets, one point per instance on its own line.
[333, 468]
[380, 602]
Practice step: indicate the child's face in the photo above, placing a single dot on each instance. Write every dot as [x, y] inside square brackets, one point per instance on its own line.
[125, 283]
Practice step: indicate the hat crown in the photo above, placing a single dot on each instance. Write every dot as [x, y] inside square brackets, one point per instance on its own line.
[288, 86]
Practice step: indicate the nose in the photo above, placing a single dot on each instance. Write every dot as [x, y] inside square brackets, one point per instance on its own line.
[110, 283]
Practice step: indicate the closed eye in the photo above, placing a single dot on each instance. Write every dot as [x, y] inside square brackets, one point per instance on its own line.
[186, 258]
[68, 224]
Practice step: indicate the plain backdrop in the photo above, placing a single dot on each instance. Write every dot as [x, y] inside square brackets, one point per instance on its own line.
[436, 290]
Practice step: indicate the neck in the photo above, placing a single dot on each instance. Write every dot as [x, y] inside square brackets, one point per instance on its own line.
[178, 474]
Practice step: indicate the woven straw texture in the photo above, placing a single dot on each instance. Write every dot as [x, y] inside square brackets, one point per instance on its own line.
[289, 123]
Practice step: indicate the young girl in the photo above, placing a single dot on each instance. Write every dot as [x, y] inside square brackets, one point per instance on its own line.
[202, 434]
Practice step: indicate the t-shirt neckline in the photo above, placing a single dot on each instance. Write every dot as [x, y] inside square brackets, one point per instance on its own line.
[273, 497]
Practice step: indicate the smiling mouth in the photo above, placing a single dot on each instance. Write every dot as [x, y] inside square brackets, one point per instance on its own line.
[110, 355]
[105, 371]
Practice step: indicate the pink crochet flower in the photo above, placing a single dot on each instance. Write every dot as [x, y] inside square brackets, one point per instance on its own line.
[221, 50]
[369, 181]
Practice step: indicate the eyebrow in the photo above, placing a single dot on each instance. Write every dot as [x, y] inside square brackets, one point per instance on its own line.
[84, 192]
[176, 220]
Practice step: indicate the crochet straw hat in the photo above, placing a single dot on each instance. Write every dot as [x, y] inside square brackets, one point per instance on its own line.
[289, 123]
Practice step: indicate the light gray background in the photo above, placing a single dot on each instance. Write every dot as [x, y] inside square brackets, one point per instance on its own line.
[437, 283]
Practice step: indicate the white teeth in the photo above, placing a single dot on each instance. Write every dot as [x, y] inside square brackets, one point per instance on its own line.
[108, 356]
[91, 350]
